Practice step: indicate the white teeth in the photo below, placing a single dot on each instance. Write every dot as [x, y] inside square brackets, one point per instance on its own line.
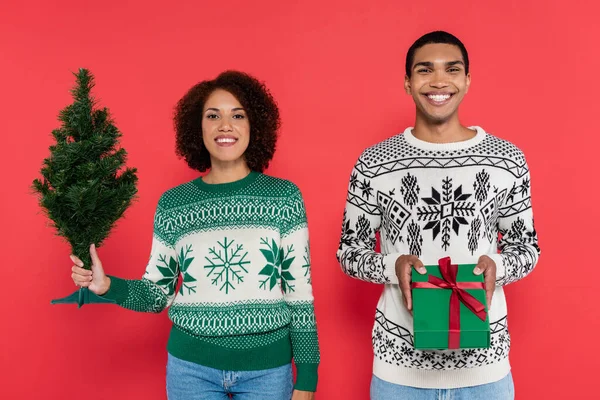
[439, 97]
[226, 140]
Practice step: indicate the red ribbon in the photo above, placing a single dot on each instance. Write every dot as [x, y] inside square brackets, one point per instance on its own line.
[459, 294]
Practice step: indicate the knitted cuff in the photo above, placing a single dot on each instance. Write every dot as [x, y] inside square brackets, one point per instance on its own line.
[500, 269]
[389, 262]
[118, 290]
[306, 377]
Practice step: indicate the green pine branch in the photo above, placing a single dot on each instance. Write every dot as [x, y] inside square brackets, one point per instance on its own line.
[85, 186]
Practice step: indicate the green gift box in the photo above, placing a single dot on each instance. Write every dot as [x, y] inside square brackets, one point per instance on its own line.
[449, 308]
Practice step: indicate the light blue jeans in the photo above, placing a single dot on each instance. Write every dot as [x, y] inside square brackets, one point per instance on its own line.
[501, 390]
[190, 381]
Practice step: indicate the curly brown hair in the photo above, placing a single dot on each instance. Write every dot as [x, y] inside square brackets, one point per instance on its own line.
[262, 111]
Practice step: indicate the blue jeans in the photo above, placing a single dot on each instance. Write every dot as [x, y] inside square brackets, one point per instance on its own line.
[501, 390]
[190, 381]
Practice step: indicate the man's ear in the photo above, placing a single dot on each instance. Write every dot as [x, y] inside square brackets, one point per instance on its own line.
[468, 82]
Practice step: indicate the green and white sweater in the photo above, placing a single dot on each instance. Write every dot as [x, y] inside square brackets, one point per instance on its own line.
[245, 298]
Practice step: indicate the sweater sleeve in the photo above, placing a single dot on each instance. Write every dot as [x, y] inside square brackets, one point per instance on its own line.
[518, 244]
[156, 290]
[297, 290]
[362, 220]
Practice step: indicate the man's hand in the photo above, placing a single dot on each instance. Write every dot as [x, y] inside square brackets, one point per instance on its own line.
[302, 395]
[404, 266]
[487, 267]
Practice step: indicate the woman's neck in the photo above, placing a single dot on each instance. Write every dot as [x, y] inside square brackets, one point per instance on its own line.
[226, 172]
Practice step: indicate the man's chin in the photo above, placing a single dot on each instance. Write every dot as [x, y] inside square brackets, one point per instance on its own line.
[438, 119]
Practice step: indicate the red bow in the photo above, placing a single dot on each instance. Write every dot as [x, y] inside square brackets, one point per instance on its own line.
[459, 294]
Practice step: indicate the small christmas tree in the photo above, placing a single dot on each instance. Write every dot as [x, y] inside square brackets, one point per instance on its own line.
[85, 188]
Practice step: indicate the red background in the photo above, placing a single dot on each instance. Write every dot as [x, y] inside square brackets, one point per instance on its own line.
[336, 69]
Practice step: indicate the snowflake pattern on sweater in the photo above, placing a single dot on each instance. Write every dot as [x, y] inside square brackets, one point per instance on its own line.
[239, 254]
[462, 200]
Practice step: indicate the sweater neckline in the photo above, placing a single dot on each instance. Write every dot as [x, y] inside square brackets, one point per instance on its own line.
[226, 187]
[464, 144]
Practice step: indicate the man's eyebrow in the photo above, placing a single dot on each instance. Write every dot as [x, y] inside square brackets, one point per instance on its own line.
[429, 64]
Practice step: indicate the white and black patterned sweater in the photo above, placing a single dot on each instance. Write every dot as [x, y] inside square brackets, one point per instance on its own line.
[462, 200]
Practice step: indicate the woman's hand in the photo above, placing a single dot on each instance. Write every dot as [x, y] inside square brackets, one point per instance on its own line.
[302, 395]
[95, 279]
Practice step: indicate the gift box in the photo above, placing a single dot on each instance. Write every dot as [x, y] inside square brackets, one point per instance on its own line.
[449, 308]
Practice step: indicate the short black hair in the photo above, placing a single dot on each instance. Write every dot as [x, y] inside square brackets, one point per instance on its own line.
[253, 95]
[434, 38]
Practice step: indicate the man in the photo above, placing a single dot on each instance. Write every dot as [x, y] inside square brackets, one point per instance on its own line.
[438, 189]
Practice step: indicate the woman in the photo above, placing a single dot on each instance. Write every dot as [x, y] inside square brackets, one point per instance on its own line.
[239, 241]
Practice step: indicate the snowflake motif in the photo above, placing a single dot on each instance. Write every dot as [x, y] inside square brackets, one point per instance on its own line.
[364, 231]
[364, 186]
[227, 265]
[368, 267]
[525, 185]
[353, 181]
[517, 229]
[415, 240]
[469, 352]
[518, 259]
[367, 190]
[357, 263]
[473, 235]
[410, 189]
[352, 272]
[446, 211]
[522, 189]
[278, 266]
[405, 354]
[354, 256]
[373, 270]
[390, 343]
[306, 264]
[184, 263]
[407, 351]
[169, 272]
[531, 236]
[481, 186]
[347, 238]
